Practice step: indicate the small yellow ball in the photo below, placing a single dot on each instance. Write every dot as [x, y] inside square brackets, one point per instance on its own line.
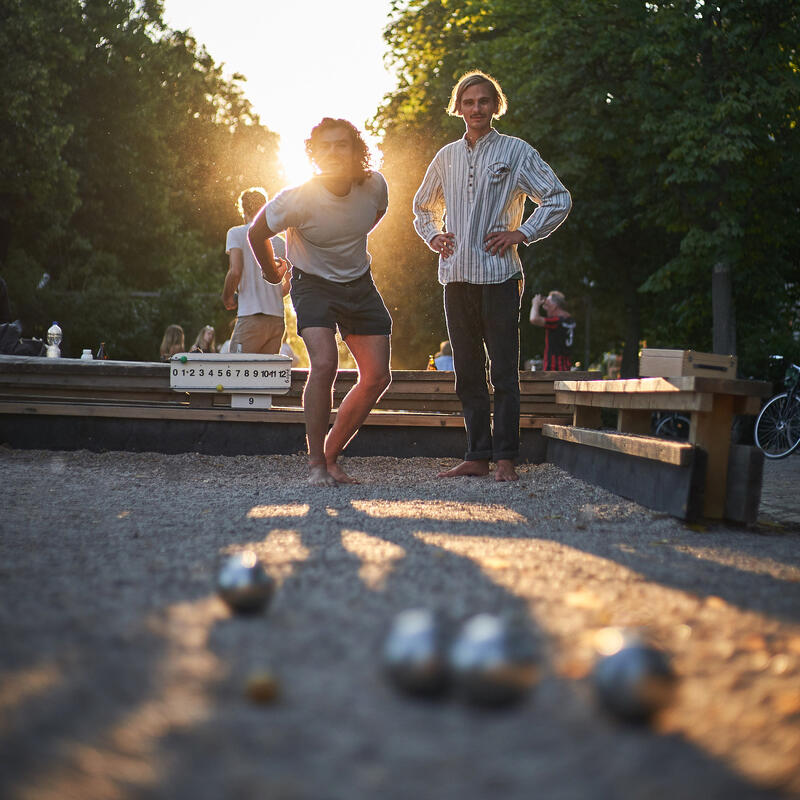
[219, 387]
[262, 687]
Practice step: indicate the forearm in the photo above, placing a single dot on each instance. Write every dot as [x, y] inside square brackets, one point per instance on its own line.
[429, 207]
[259, 236]
[550, 213]
[229, 290]
[553, 201]
[536, 317]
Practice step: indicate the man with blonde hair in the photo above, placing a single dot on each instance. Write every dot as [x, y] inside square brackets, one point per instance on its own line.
[260, 323]
[479, 184]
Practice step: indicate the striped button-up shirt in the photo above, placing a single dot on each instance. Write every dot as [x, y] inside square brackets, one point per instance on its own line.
[474, 191]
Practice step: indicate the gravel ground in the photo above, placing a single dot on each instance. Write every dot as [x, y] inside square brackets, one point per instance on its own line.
[122, 674]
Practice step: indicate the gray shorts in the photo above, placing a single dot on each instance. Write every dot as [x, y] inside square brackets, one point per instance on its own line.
[355, 306]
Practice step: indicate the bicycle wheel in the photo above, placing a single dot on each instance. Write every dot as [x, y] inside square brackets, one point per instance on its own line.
[778, 426]
[673, 426]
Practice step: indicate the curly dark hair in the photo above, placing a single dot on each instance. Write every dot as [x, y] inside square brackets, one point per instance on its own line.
[361, 157]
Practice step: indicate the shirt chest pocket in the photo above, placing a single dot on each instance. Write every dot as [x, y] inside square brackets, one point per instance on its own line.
[498, 172]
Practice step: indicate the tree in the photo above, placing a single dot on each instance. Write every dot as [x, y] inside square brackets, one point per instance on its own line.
[38, 49]
[726, 79]
[673, 126]
[122, 162]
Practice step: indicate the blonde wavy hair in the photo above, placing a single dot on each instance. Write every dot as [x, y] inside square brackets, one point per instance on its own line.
[473, 78]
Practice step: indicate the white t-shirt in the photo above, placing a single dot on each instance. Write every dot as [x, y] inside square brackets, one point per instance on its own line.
[256, 296]
[326, 235]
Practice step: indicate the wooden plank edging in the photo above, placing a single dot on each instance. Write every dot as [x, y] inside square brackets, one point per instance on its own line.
[662, 450]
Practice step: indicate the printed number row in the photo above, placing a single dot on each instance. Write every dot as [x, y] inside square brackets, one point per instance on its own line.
[202, 372]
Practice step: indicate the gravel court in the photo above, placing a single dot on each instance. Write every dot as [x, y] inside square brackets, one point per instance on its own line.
[122, 674]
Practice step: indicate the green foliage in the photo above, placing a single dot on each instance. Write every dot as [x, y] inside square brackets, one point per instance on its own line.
[121, 159]
[674, 127]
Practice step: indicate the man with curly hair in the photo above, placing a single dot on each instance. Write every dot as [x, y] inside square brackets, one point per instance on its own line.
[327, 220]
[479, 185]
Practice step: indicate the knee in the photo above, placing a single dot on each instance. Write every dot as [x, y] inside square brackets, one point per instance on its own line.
[323, 369]
[376, 383]
[506, 380]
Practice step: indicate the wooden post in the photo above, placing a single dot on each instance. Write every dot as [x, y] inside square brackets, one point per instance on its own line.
[711, 430]
[631, 420]
[587, 417]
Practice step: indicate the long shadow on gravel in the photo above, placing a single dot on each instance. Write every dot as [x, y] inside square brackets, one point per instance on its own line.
[116, 686]
[704, 564]
[346, 565]
[78, 680]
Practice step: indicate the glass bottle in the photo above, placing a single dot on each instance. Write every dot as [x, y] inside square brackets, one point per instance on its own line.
[101, 351]
[431, 363]
[54, 336]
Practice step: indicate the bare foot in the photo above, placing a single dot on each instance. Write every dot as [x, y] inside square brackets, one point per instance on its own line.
[318, 475]
[474, 468]
[339, 475]
[505, 470]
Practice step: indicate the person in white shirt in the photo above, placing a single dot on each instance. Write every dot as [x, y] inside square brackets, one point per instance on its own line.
[327, 220]
[479, 184]
[260, 322]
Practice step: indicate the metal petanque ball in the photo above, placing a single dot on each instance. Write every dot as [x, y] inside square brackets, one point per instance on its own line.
[414, 653]
[493, 662]
[244, 585]
[632, 679]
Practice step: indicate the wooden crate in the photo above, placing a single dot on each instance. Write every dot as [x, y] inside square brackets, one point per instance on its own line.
[675, 363]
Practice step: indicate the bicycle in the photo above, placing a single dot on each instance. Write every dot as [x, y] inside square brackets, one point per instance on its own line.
[777, 431]
[671, 425]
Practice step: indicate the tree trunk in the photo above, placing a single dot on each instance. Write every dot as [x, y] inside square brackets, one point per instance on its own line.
[633, 333]
[723, 310]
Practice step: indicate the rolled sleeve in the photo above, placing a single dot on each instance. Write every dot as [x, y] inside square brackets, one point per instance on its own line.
[429, 205]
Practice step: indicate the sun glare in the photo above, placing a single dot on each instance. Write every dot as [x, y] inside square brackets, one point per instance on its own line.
[295, 163]
[296, 166]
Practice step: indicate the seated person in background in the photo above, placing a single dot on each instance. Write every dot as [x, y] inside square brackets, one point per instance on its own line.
[173, 342]
[225, 347]
[206, 341]
[260, 323]
[444, 358]
[559, 330]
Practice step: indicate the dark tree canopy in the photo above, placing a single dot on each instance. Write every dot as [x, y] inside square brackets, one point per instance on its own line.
[674, 127]
[122, 152]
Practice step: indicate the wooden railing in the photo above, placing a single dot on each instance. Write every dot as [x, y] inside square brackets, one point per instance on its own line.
[142, 389]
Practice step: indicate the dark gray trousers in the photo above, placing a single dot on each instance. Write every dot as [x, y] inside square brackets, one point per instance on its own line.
[484, 319]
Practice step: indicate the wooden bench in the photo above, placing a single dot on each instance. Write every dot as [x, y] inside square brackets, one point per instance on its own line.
[710, 404]
[127, 390]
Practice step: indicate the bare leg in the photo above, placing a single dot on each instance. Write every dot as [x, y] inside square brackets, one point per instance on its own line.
[371, 354]
[318, 400]
[474, 468]
[505, 470]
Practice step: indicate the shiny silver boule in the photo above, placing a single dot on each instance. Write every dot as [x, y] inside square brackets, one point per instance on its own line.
[493, 661]
[633, 680]
[244, 585]
[414, 653]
